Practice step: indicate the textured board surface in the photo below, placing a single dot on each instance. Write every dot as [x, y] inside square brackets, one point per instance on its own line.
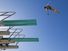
[19, 22]
[9, 47]
[6, 41]
[4, 32]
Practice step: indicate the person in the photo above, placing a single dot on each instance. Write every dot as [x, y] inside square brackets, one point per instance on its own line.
[49, 7]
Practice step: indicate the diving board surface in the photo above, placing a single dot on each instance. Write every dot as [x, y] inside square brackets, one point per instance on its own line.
[19, 22]
[23, 39]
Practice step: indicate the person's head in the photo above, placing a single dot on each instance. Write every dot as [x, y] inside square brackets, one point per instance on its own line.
[45, 7]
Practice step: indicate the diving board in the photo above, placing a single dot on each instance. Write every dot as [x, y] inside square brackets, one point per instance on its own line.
[19, 22]
[22, 39]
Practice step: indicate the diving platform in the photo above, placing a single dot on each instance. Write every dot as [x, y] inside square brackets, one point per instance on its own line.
[6, 41]
[4, 32]
[9, 47]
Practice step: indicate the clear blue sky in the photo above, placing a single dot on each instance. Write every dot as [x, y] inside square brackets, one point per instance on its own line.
[52, 30]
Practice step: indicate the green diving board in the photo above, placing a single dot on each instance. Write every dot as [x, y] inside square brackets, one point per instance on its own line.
[26, 39]
[19, 22]
[22, 39]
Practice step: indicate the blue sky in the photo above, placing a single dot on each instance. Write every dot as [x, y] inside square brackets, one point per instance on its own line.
[52, 30]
